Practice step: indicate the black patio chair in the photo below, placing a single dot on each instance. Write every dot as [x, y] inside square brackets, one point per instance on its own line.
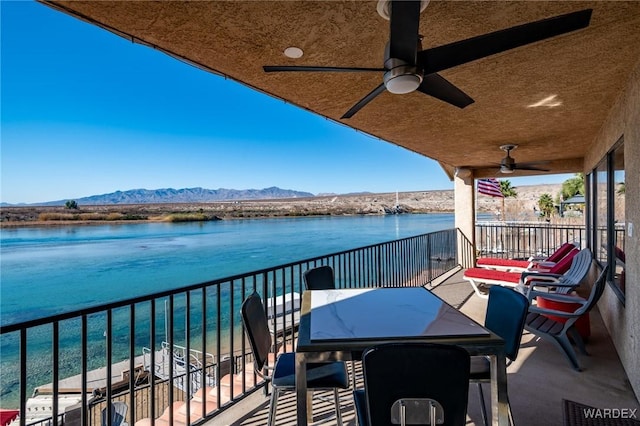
[319, 278]
[506, 313]
[321, 376]
[413, 383]
[322, 278]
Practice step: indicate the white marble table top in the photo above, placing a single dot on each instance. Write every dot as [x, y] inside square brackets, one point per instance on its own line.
[386, 313]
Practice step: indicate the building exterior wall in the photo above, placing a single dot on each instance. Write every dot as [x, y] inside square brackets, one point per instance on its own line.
[623, 319]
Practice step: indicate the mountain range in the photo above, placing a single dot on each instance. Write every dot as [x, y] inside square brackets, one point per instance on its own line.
[185, 195]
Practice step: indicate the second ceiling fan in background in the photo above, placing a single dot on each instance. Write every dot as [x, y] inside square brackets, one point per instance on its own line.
[408, 68]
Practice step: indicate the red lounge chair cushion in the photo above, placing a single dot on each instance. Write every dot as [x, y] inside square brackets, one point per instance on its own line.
[556, 256]
[565, 263]
[561, 252]
[494, 261]
[490, 274]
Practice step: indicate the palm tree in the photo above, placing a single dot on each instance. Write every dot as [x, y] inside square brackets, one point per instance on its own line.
[506, 189]
[545, 204]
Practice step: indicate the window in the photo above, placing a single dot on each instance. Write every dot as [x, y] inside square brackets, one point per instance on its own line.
[606, 218]
[600, 247]
[619, 223]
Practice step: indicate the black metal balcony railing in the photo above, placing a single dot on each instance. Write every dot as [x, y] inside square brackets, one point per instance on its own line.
[523, 239]
[153, 351]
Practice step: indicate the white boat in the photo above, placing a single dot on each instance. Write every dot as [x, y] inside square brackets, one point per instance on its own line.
[285, 308]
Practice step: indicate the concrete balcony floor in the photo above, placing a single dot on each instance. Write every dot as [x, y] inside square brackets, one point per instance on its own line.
[538, 380]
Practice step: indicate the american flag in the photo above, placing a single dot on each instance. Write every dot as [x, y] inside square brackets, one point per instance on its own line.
[490, 187]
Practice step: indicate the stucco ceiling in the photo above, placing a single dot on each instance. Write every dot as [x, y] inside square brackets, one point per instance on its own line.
[582, 72]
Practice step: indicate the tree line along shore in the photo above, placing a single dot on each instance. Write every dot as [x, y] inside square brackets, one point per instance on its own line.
[520, 207]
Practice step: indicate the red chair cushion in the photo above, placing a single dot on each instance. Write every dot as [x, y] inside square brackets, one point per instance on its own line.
[565, 263]
[490, 274]
[494, 261]
[561, 252]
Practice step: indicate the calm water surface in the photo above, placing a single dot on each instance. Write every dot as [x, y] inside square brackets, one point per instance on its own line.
[46, 271]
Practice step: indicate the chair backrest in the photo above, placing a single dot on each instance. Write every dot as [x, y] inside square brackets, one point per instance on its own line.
[254, 319]
[320, 278]
[118, 413]
[506, 314]
[561, 252]
[416, 371]
[564, 264]
[596, 292]
[579, 269]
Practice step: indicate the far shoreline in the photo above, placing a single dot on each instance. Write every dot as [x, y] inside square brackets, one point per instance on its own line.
[520, 208]
[62, 223]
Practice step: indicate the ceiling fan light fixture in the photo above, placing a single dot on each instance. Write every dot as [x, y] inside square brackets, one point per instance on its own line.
[506, 170]
[403, 83]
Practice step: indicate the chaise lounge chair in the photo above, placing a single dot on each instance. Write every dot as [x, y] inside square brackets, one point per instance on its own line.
[476, 276]
[561, 284]
[514, 265]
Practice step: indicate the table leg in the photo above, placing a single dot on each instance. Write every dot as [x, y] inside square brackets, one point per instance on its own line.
[301, 389]
[499, 397]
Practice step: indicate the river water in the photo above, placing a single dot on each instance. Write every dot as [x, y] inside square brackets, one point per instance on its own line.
[46, 271]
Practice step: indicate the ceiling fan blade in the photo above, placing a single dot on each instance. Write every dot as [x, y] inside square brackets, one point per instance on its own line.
[437, 86]
[464, 51]
[362, 102]
[287, 68]
[521, 167]
[532, 163]
[404, 24]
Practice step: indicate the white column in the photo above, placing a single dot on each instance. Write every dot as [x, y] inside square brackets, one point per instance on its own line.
[465, 215]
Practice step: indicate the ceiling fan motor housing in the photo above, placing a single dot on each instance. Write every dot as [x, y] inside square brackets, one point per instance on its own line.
[401, 77]
[507, 161]
[507, 165]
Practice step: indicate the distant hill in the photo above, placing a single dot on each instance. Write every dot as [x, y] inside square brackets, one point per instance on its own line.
[185, 195]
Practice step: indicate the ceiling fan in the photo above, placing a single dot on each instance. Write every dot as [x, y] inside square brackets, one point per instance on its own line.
[509, 165]
[408, 68]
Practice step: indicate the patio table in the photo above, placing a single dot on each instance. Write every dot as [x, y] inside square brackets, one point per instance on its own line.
[338, 325]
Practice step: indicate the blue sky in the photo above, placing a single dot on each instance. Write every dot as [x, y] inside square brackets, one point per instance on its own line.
[85, 112]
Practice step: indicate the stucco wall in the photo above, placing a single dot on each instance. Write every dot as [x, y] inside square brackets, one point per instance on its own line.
[465, 211]
[623, 321]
